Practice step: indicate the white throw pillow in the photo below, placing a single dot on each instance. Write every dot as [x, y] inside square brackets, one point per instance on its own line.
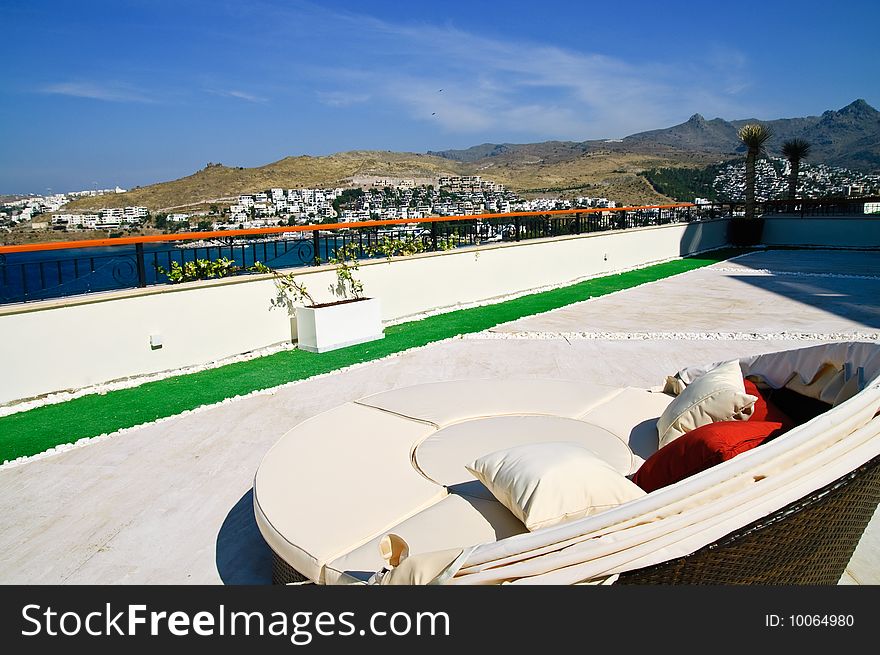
[547, 483]
[717, 395]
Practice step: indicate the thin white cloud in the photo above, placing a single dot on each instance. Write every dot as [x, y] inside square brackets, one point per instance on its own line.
[106, 91]
[239, 95]
[536, 90]
[553, 92]
[341, 98]
[729, 68]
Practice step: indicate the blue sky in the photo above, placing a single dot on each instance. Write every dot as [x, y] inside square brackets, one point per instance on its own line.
[135, 92]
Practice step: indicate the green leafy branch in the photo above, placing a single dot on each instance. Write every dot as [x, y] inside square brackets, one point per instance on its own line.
[345, 259]
[291, 292]
[394, 247]
[202, 269]
[390, 247]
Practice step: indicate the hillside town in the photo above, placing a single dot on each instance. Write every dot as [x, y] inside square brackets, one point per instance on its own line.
[814, 181]
[391, 198]
[386, 198]
[29, 208]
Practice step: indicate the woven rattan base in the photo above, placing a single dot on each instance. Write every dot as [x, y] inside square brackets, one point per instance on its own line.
[808, 542]
[284, 573]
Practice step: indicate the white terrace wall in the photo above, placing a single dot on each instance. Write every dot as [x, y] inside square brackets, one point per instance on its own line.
[81, 341]
[835, 232]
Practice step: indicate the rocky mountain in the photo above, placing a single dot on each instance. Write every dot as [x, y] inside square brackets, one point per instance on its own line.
[545, 152]
[696, 134]
[848, 137]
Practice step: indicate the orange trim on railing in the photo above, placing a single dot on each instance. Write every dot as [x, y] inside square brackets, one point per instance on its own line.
[187, 236]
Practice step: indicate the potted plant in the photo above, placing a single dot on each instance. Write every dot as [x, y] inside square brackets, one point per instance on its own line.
[320, 326]
[350, 320]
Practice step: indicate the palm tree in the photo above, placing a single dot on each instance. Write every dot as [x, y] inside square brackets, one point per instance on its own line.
[754, 135]
[795, 150]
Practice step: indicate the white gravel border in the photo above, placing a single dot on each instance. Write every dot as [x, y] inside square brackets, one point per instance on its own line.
[676, 336]
[775, 273]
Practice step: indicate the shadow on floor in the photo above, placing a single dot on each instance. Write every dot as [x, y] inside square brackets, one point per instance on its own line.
[848, 297]
[242, 557]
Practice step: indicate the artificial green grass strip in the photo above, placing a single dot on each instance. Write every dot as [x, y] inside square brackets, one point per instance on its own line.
[36, 430]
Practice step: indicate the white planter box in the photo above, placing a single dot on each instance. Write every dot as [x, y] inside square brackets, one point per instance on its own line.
[346, 323]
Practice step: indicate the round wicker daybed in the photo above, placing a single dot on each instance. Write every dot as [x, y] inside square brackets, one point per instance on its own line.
[790, 511]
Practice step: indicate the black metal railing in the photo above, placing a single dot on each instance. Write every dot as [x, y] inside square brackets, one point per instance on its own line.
[40, 275]
[459, 232]
[58, 270]
[817, 207]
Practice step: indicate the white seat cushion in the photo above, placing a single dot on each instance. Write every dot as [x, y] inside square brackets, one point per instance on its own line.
[456, 521]
[444, 455]
[349, 475]
[336, 481]
[632, 416]
[444, 403]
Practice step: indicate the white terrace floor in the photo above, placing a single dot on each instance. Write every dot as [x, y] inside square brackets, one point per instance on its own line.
[171, 503]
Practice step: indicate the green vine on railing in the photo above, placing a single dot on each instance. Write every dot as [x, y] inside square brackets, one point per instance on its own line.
[202, 269]
[390, 247]
[446, 243]
[291, 292]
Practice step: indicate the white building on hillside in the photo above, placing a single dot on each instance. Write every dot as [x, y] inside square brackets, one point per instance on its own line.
[81, 221]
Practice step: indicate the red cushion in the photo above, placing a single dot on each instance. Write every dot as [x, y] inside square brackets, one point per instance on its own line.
[701, 449]
[764, 409]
